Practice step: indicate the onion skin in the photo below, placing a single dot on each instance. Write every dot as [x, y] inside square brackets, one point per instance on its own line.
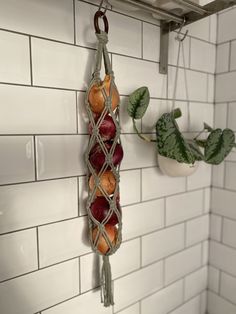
[102, 244]
[97, 156]
[100, 209]
[96, 99]
[107, 128]
[107, 182]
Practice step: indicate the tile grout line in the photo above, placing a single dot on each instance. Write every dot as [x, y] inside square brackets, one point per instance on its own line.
[38, 254]
[31, 61]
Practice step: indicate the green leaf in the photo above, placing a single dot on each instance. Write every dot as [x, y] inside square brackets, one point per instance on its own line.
[138, 103]
[170, 141]
[195, 150]
[218, 146]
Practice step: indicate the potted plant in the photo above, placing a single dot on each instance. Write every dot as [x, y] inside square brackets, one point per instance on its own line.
[178, 156]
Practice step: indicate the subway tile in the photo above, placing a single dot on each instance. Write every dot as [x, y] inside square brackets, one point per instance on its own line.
[151, 279]
[200, 113]
[207, 200]
[63, 240]
[26, 17]
[201, 178]
[83, 195]
[138, 73]
[230, 172]
[218, 203]
[197, 90]
[195, 283]
[192, 306]
[134, 309]
[18, 253]
[157, 108]
[228, 287]
[173, 51]
[218, 305]
[155, 184]
[218, 174]
[197, 230]
[203, 305]
[151, 42]
[211, 88]
[130, 186]
[14, 58]
[142, 218]
[232, 116]
[222, 58]
[225, 30]
[37, 110]
[203, 56]
[17, 159]
[215, 227]
[224, 90]
[83, 119]
[213, 279]
[229, 232]
[166, 242]
[137, 153]
[41, 289]
[220, 115]
[232, 56]
[223, 257]
[184, 206]
[199, 29]
[31, 204]
[163, 301]
[213, 27]
[90, 265]
[86, 303]
[60, 156]
[61, 65]
[124, 32]
[205, 252]
[174, 269]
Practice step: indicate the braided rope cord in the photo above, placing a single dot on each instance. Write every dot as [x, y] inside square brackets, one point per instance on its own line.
[97, 229]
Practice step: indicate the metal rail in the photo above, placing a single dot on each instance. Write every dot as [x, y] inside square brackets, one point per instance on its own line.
[152, 9]
[171, 22]
[191, 6]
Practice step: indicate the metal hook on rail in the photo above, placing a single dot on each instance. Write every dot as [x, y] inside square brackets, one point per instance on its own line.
[179, 32]
[106, 7]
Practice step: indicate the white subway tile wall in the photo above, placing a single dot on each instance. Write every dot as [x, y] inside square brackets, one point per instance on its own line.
[46, 263]
[222, 259]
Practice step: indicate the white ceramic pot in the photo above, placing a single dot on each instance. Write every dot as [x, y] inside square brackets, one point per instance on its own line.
[173, 168]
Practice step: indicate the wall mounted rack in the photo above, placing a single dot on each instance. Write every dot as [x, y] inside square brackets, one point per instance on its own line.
[174, 14]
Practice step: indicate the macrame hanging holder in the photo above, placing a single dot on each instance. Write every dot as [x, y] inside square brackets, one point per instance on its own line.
[96, 139]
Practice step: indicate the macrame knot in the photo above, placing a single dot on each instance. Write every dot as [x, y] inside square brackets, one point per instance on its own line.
[102, 38]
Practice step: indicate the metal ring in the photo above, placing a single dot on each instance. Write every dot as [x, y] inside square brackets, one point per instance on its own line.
[100, 14]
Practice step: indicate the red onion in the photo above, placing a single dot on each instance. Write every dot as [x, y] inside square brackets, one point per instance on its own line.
[100, 209]
[107, 128]
[97, 156]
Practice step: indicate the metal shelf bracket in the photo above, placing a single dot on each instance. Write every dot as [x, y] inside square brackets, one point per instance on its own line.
[191, 17]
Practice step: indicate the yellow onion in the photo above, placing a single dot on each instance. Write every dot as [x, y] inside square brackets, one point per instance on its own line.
[107, 182]
[102, 245]
[96, 98]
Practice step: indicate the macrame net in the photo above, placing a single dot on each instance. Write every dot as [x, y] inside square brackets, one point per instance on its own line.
[98, 230]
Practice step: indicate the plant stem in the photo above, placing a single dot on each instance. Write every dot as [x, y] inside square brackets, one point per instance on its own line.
[143, 137]
[201, 143]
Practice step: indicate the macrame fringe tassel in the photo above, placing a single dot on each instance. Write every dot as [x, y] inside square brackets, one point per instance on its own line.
[106, 283]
